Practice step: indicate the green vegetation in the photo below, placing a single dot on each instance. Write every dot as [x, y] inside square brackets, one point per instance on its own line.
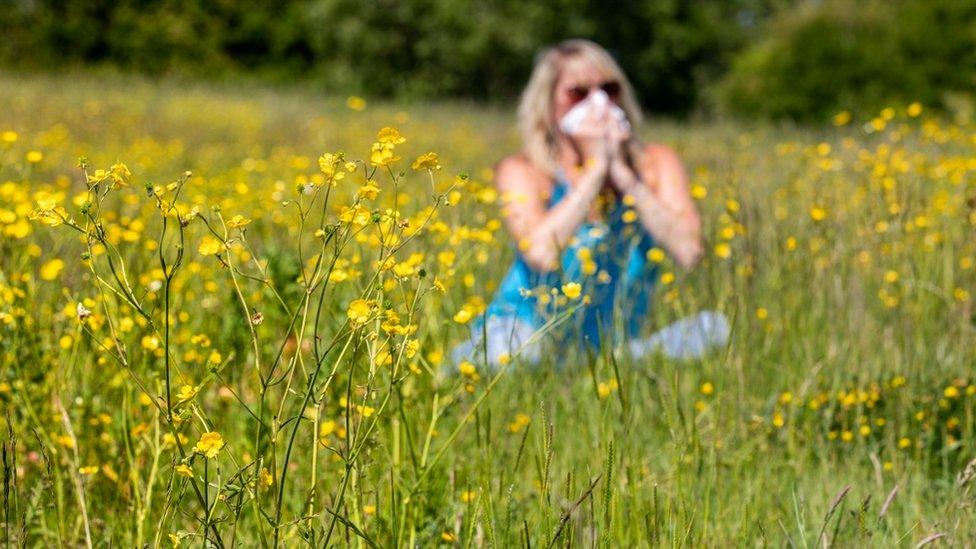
[232, 411]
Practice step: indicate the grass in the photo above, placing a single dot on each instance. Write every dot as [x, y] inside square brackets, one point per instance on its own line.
[841, 413]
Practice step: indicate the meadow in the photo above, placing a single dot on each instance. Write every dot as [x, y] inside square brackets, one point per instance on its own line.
[226, 312]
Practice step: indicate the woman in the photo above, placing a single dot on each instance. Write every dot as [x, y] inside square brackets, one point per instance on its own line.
[585, 202]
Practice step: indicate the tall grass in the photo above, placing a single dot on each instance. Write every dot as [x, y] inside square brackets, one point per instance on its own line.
[173, 373]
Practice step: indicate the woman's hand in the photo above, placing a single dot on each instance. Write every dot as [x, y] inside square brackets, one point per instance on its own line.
[622, 174]
[593, 138]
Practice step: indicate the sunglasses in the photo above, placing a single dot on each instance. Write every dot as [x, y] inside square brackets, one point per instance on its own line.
[610, 87]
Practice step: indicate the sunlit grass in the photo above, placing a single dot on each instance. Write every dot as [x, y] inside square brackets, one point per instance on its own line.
[843, 254]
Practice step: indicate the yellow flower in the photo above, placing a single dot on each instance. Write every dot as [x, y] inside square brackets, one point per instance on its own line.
[368, 190]
[51, 269]
[707, 388]
[426, 161]
[209, 444]
[35, 156]
[184, 469]
[359, 311]
[914, 109]
[572, 290]
[186, 393]
[210, 246]
[656, 255]
[390, 136]
[329, 164]
[463, 316]
[381, 154]
[723, 250]
[842, 118]
[88, 470]
[238, 221]
[817, 213]
[951, 392]
[266, 478]
[356, 103]
[48, 214]
[467, 369]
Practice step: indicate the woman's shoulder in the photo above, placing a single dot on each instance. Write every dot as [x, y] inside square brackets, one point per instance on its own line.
[658, 156]
[517, 170]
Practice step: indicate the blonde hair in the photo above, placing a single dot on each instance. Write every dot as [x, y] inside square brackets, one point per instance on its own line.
[535, 120]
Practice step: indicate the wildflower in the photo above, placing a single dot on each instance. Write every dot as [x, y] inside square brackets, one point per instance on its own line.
[426, 161]
[187, 392]
[655, 255]
[706, 388]
[238, 221]
[842, 118]
[329, 165]
[381, 154]
[48, 213]
[265, 477]
[184, 470]
[35, 156]
[356, 103]
[209, 444]
[368, 190]
[51, 269]
[150, 342]
[326, 428]
[723, 250]
[390, 136]
[210, 246]
[359, 311]
[951, 392]
[571, 290]
[818, 213]
[88, 470]
[467, 369]
[463, 316]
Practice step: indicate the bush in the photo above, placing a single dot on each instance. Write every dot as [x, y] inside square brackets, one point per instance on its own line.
[823, 59]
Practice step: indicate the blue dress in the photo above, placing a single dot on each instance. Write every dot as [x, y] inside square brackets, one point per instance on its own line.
[607, 258]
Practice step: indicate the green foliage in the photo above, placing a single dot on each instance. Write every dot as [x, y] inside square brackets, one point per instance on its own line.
[405, 48]
[821, 59]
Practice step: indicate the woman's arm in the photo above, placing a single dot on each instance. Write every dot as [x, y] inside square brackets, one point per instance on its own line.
[542, 234]
[663, 201]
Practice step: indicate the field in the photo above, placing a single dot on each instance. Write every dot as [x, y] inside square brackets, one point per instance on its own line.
[214, 333]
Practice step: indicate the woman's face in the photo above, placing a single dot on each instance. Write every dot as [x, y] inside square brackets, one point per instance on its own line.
[576, 80]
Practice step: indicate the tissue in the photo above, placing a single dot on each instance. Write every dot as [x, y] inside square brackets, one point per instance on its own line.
[571, 121]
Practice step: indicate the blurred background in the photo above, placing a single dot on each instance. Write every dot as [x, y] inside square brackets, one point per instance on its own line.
[779, 59]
